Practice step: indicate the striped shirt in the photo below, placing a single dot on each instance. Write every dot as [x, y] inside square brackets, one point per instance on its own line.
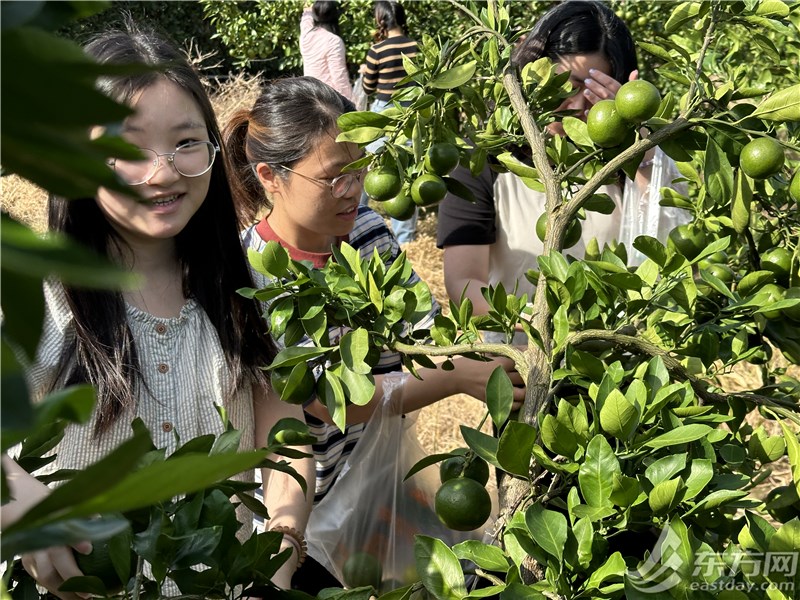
[186, 379]
[385, 66]
[333, 445]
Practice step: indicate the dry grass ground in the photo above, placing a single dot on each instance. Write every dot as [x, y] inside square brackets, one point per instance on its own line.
[438, 425]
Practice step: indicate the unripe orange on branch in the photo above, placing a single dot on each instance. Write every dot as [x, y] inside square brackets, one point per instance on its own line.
[637, 101]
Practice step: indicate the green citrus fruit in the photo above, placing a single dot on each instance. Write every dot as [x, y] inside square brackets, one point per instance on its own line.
[295, 385]
[428, 189]
[401, 207]
[541, 226]
[794, 187]
[721, 271]
[637, 101]
[362, 569]
[572, 237]
[754, 281]
[574, 232]
[477, 469]
[761, 158]
[793, 312]
[462, 504]
[688, 240]
[382, 184]
[771, 293]
[98, 562]
[441, 158]
[720, 257]
[778, 261]
[605, 126]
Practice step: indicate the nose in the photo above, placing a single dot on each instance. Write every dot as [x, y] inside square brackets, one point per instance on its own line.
[165, 172]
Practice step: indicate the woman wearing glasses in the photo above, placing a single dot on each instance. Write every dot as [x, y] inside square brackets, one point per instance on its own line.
[285, 160]
[181, 344]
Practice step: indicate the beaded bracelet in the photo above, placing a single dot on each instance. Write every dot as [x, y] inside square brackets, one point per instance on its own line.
[297, 539]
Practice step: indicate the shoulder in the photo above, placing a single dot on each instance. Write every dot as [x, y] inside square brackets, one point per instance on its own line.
[251, 238]
[371, 232]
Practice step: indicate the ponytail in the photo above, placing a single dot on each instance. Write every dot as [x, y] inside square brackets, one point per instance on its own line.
[248, 194]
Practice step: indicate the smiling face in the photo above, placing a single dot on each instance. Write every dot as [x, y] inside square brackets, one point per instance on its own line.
[578, 65]
[305, 214]
[165, 117]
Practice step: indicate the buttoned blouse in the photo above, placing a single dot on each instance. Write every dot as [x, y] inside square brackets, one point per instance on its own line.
[185, 374]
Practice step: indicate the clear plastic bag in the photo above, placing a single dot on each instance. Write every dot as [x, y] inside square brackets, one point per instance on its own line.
[363, 530]
[359, 95]
[642, 214]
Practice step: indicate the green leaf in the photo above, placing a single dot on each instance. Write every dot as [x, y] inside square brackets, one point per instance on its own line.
[742, 202]
[718, 173]
[772, 8]
[499, 396]
[681, 14]
[513, 164]
[625, 491]
[596, 474]
[360, 135]
[577, 131]
[274, 260]
[584, 536]
[27, 253]
[701, 471]
[548, 529]
[613, 567]
[354, 120]
[558, 437]
[666, 495]
[652, 249]
[354, 347]
[793, 450]
[515, 446]
[680, 435]
[296, 354]
[454, 77]
[439, 568]
[61, 533]
[619, 417]
[665, 468]
[485, 556]
[483, 445]
[780, 106]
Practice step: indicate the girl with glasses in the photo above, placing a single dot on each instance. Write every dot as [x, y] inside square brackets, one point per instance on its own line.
[285, 161]
[182, 344]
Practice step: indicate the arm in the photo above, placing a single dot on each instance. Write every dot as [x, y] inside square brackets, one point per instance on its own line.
[283, 497]
[468, 377]
[337, 67]
[466, 271]
[306, 22]
[50, 567]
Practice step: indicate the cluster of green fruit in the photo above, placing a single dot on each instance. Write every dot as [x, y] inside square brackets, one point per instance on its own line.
[385, 184]
[611, 122]
[462, 502]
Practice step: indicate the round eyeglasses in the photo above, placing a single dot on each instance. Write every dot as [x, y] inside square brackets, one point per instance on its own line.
[339, 185]
[190, 160]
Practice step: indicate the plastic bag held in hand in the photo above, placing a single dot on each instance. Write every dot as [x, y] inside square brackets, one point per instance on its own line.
[363, 530]
[359, 96]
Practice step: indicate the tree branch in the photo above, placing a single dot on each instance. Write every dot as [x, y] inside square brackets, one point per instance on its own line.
[519, 357]
[638, 345]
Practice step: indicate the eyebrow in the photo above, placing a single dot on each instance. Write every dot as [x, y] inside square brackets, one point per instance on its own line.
[178, 127]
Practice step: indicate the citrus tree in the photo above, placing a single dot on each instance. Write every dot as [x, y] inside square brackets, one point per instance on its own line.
[629, 471]
[135, 504]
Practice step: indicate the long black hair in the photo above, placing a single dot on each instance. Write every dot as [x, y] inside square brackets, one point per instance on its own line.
[209, 252]
[284, 125]
[325, 14]
[388, 14]
[580, 27]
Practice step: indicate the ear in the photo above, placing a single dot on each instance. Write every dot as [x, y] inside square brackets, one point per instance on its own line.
[268, 178]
